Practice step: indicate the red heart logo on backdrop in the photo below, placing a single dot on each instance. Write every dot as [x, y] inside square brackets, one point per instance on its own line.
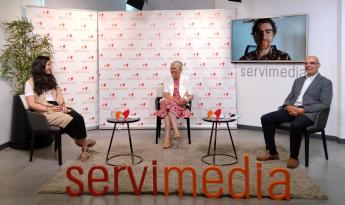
[125, 114]
[218, 112]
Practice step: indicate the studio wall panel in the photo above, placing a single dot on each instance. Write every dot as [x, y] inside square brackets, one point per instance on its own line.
[73, 34]
[135, 52]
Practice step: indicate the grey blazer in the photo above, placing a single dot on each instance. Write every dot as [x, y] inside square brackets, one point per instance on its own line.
[317, 97]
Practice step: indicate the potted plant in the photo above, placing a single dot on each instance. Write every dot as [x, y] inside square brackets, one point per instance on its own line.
[21, 48]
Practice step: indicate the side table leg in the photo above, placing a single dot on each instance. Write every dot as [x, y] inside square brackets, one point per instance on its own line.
[214, 145]
[232, 141]
[209, 144]
[130, 142]
[111, 141]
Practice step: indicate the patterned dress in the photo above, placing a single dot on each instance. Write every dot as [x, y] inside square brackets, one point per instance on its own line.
[169, 105]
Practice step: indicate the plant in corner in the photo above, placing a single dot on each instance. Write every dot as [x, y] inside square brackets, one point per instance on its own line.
[21, 48]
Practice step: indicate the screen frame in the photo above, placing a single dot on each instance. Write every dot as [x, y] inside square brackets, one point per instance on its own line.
[271, 61]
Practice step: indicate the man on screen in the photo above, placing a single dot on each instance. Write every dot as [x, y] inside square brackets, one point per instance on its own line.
[263, 31]
[310, 94]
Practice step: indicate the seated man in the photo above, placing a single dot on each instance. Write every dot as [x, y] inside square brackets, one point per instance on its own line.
[309, 94]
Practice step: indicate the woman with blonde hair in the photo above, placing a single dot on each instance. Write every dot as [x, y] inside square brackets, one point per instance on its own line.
[176, 94]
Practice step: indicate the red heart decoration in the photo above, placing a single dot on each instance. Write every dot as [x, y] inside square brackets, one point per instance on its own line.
[125, 114]
[218, 112]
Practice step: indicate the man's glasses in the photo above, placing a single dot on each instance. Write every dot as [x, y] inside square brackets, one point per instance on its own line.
[267, 32]
[311, 63]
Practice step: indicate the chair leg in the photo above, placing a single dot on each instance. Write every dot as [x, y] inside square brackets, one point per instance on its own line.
[32, 146]
[306, 143]
[158, 129]
[58, 144]
[55, 143]
[188, 130]
[323, 135]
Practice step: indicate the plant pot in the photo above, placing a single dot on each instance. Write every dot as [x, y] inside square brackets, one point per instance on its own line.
[20, 129]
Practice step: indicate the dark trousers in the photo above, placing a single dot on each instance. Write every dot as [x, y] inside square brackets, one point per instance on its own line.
[76, 128]
[298, 124]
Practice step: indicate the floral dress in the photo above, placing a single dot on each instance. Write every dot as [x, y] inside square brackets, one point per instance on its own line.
[171, 106]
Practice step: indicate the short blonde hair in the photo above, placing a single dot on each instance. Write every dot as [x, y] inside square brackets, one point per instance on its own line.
[178, 63]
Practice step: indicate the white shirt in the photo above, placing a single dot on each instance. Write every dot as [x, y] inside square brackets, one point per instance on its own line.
[185, 87]
[307, 82]
[29, 91]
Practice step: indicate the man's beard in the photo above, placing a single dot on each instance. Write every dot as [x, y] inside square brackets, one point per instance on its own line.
[264, 44]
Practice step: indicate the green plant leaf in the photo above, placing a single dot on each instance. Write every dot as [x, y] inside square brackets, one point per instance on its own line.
[21, 48]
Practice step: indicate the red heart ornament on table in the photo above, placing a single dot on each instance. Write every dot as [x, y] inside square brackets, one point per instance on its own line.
[125, 114]
[218, 112]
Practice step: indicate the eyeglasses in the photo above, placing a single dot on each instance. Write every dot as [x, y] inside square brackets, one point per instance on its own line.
[311, 63]
[267, 32]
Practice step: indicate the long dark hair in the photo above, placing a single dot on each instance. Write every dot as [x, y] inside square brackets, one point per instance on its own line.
[42, 80]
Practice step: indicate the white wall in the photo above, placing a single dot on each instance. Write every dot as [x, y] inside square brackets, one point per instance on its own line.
[341, 35]
[9, 10]
[5, 110]
[94, 5]
[259, 95]
[179, 4]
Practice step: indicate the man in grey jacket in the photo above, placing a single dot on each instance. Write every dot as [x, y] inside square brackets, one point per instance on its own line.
[309, 94]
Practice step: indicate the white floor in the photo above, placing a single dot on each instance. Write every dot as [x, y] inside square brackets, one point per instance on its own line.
[20, 179]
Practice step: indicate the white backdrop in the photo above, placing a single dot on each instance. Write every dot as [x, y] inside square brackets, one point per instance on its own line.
[135, 52]
[73, 34]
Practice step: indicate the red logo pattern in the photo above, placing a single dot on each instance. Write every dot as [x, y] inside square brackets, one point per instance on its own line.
[134, 59]
[74, 38]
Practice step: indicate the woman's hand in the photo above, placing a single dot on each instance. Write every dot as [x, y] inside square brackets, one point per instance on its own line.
[54, 109]
[182, 101]
[58, 109]
[65, 109]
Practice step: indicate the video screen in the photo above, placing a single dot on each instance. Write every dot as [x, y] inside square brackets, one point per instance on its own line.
[269, 39]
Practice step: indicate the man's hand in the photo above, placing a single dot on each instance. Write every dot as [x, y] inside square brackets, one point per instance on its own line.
[294, 111]
[300, 111]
